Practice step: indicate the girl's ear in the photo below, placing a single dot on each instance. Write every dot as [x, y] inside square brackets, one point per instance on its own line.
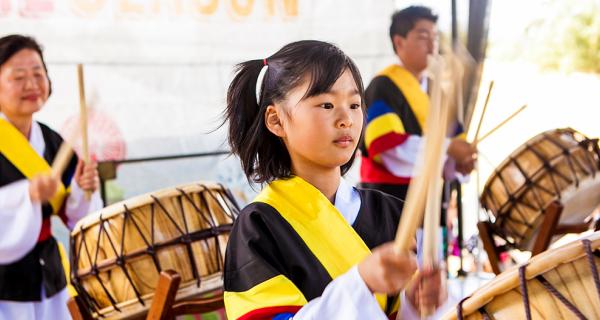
[273, 121]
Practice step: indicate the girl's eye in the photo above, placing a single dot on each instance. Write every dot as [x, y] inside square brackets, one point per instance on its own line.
[355, 106]
[327, 105]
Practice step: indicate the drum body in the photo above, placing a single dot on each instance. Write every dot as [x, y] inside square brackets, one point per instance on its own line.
[117, 253]
[559, 284]
[558, 165]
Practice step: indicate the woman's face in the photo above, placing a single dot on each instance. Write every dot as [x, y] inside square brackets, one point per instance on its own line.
[24, 85]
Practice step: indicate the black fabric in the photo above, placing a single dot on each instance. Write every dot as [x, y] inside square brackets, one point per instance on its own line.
[397, 190]
[262, 245]
[383, 88]
[23, 280]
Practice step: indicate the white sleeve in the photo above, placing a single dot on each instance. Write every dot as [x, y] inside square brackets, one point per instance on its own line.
[21, 221]
[346, 297]
[77, 207]
[402, 159]
[408, 312]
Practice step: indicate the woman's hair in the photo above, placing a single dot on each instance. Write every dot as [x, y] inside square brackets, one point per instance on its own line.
[11, 44]
[263, 155]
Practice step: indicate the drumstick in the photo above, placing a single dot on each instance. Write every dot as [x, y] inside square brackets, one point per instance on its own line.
[503, 122]
[485, 104]
[61, 160]
[412, 213]
[83, 122]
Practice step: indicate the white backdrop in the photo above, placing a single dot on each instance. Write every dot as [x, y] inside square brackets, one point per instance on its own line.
[157, 71]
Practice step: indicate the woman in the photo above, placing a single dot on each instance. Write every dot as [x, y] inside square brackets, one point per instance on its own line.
[32, 277]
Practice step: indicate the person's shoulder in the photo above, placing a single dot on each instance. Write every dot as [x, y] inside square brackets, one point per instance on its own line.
[381, 87]
[255, 215]
[49, 133]
[380, 81]
[379, 197]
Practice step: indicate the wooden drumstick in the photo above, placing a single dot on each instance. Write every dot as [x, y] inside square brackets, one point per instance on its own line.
[503, 122]
[61, 160]
[485, 104]
[412, 213]
[83, 122]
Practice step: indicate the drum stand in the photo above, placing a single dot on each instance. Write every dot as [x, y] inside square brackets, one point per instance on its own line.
[77, 309]
[163, 305]
[548, 229]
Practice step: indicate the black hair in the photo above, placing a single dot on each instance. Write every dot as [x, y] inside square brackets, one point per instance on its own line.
[404, 20]
[263, 155]
[11, 44]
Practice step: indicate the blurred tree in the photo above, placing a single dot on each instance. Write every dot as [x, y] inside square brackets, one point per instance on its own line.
[567, 37]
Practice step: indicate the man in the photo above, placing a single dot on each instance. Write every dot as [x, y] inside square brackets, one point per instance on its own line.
[398, 106]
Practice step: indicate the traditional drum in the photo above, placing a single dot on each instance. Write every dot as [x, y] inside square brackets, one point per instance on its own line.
[557, 165]
[561, 283]
[117, 253]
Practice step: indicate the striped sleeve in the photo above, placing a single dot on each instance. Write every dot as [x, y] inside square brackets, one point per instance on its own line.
[384, 129]
[276, 298]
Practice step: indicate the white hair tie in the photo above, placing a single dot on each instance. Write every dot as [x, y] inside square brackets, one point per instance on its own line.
[260, 79]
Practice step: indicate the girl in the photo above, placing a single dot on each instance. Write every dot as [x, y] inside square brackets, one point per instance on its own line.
[302, 248]
[32, 278]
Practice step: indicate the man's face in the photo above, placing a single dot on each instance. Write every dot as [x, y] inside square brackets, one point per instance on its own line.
[419, 42]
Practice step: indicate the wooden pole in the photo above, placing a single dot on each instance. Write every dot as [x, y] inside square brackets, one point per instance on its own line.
[83, 121]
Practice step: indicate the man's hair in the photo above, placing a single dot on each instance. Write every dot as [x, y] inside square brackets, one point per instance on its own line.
[404, 20]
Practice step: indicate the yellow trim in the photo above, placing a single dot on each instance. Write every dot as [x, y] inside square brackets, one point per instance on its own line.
[462, 136]
[389, 122]
[320, 225]
[411, 89]
[16, 148]
[64, 259]
[277, 291]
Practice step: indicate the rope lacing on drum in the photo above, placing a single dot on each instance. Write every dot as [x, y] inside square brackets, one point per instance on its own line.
[587, 245]
[227, 206]
[459, 310]
[560, 297]
[524, 293]
[550, 288]
[95, 266]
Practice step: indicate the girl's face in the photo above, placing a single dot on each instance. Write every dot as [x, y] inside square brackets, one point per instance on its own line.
[322, 131]
[24, 85]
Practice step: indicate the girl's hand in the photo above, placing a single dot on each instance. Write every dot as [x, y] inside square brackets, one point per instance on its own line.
[86, 175]
[428, 290]
[386, 271]
[42, 188]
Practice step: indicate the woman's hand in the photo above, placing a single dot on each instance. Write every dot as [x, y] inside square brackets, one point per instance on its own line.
[86, 176]
[43, 187]
[386, 271]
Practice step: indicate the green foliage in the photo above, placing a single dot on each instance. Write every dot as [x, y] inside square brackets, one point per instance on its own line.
[567, 39]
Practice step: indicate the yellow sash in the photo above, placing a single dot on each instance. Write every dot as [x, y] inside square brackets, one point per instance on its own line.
[15, 147]
[318, 222]
[411, 89]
